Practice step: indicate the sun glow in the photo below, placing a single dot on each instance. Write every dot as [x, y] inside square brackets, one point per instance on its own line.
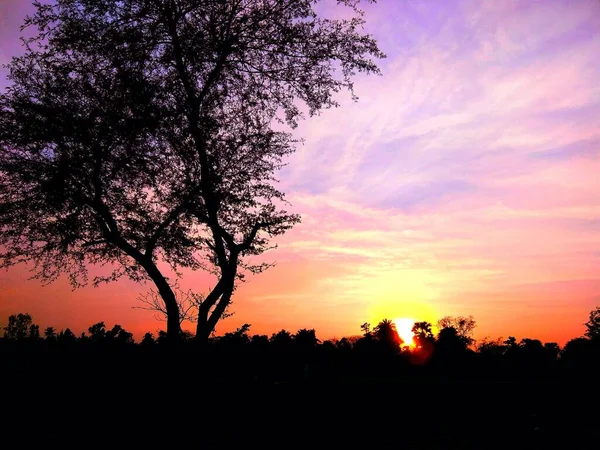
[404, 327]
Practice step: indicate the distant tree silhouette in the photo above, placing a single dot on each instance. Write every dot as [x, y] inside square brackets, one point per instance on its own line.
[423, 334]
[593, 324]
[492, 349]
[424, 342]
[119, 335]
[343, 345]
[581, 354]
[141, 132]
[20, 328]
[50, 334]
[66, 338]
[511, 342]
[305, 339]
[281, 340]
[301, 357]
[366, 328]
[552, 350]
[532, 354]
[450, 342]
[237, 339]
[97, 332]
[260, 341]
[386, 332]
[463, 326]
[148, 340]
[162, 337]
[34, 332]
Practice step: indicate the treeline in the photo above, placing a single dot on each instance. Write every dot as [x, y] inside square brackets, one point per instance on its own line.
[378, 351]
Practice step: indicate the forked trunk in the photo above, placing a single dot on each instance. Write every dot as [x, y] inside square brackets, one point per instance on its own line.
[219, 298]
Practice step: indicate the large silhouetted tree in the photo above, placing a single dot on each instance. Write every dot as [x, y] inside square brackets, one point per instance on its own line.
[145, 134]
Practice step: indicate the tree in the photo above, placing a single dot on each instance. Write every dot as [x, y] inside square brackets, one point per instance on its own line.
[593, 325]
[148, 340]
[237, 338]
[50, 334]
[464, 327]
[97, 332]
[386, 332]
[19, 327]
[366, 329]
[306, 339]
[34, 332]
[450, 343]
[282, 340]
[66, 338]
[491, 348]
[145, 134]
[423, 334]
[552, 350]
[119, 335]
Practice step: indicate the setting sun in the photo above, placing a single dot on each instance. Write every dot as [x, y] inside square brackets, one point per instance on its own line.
[404, 327]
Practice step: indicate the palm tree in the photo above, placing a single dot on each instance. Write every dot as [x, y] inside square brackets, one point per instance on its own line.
[386, 332]
[423, 334]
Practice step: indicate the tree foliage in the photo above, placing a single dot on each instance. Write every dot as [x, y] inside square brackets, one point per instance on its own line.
[386, 332]
[20, 327]
[463, 326]
[141, 132]
[593, 324]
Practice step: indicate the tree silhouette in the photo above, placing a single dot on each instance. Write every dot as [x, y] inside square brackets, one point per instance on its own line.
[305, 339]
[282, 340]
[119, 335]
[424, 342]
[148, 340]
[50, 334]
[34, 332]
[463, 326]
[66, 338]
[139, 132]
[423, 334]
[386, 332]
[552, 349]
[97, 332]
[366, 328]
[237, 338]
[593, 324]
[19, 327]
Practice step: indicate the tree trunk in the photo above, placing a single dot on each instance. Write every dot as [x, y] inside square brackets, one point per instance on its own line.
[168, 296]
[220, 296]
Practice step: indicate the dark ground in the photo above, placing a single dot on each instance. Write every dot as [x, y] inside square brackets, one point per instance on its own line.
[127, 405]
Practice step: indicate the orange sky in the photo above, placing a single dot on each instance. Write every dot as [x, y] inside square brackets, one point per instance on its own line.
[464, 181]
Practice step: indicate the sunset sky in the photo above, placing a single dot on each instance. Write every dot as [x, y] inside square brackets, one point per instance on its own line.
[465, 181]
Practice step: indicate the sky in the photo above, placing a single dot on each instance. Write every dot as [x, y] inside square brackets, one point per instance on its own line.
[464, 181]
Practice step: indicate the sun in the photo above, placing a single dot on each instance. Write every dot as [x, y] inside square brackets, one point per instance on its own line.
[404, 327]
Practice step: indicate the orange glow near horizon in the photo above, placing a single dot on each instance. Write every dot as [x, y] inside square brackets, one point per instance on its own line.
[404, 327]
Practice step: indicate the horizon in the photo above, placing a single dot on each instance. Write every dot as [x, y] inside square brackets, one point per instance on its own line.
[462, 182]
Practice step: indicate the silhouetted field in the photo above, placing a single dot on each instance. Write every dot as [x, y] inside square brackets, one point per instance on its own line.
[294, 391]
[175, 398]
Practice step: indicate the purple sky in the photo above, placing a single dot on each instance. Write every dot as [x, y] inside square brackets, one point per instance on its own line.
[464, 181]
